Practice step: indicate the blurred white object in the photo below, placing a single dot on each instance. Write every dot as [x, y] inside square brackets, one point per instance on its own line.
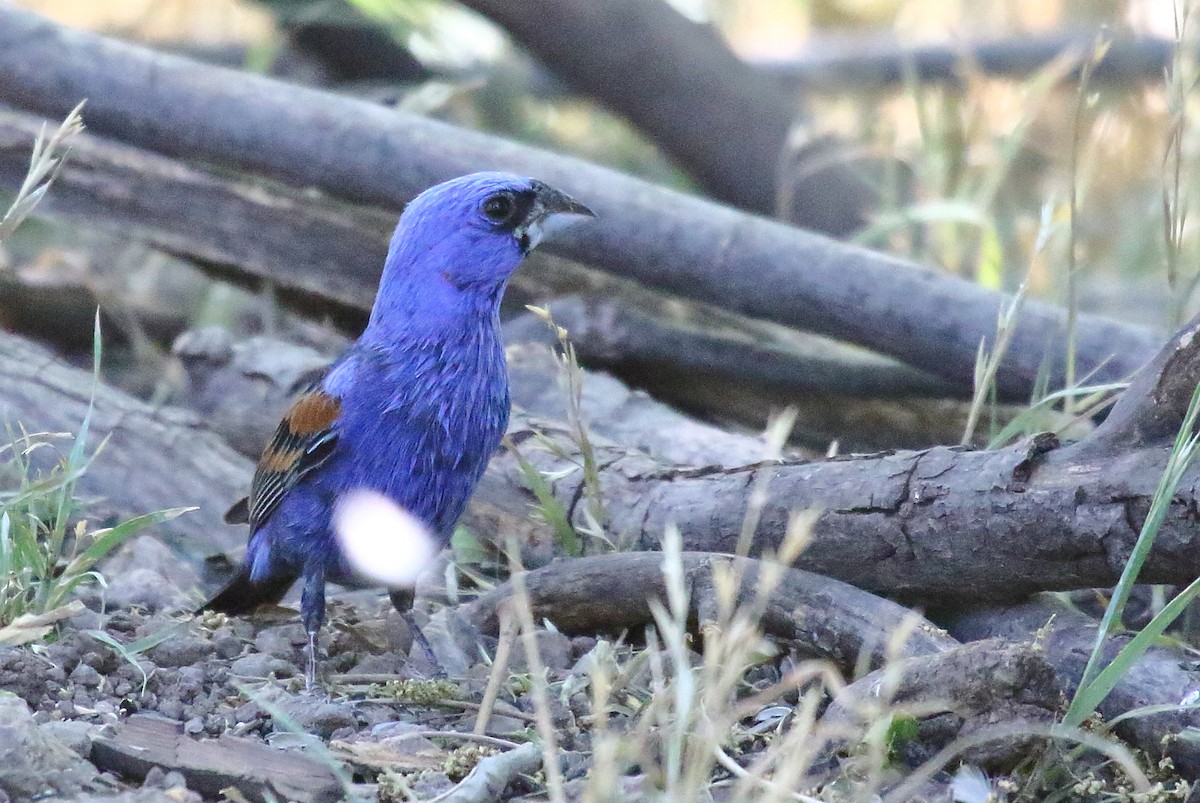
[971, 785]
[382, 541]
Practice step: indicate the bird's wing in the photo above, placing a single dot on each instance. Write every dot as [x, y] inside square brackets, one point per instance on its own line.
[304, 439]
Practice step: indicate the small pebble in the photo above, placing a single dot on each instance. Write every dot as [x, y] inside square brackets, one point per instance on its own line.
[261, 665]
[172, 709]
[86, 675]
[228, 647]
[247, 712]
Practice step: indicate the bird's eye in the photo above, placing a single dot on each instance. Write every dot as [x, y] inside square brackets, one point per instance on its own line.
[498, 207]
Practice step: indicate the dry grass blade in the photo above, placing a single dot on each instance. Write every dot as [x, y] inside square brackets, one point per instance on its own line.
[1116, 753]
[737, 771]
[33, 627]
[47, 159]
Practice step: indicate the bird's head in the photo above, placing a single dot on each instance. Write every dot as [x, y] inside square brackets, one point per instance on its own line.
[467, 235]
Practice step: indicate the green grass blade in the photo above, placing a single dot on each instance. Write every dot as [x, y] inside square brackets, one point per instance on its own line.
[123, 651]
[76, 455]
[109, 539]
[1183, 452]
[1093, 694]
[551, 509]
[76, 462]
[1092, 395]
[139, 646]
[6, 548]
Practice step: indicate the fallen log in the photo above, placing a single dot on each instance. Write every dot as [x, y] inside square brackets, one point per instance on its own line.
[239, 228]
[1034, 655]
[664, 239]
[316, 251]
[159, 457]
[816, 616]
[154, 458]
[1165, 677]
[619, 330]
[741, 373]
[952, 694]
[912, 525]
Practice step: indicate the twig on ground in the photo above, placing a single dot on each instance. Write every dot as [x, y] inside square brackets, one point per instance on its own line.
[492, 775]
[737, 770]
[490, 741]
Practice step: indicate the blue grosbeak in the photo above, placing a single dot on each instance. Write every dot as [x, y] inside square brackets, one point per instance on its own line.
[413, 409]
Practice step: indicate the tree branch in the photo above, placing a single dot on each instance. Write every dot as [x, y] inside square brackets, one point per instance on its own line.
[912, 525]
[722, 120]
[877, 62]
[664, 239]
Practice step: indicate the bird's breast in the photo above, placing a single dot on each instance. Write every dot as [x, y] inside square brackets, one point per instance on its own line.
[426, 428]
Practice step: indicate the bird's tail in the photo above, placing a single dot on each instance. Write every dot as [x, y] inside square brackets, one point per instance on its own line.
[242, 595]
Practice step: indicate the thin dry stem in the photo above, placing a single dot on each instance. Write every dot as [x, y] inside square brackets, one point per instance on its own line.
[537, 671]
[499, 668]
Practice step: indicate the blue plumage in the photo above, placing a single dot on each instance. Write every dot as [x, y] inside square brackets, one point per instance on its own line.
[416, 407]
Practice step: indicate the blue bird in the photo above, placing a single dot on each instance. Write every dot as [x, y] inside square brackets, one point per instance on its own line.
[413, 409]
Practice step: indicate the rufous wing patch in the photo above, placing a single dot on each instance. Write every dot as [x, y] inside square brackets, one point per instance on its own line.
[313, 412]
[303, 440]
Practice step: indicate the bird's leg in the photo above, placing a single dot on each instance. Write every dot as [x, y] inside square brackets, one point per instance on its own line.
[312, 612]
[310, 670]
[402, 601]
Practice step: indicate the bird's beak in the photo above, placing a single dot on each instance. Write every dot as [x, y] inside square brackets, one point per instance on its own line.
[554, 202]
[552, 212]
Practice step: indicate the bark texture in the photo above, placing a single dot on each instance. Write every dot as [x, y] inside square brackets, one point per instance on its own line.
[956, 693]
[249, 230]
[254, 770]
[1164, 676]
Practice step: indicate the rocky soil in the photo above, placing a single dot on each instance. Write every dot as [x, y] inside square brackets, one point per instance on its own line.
[82, 719]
